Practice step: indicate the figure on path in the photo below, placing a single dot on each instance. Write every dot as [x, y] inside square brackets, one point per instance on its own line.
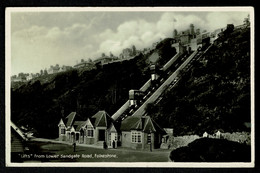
[114, 144]
[74, 146]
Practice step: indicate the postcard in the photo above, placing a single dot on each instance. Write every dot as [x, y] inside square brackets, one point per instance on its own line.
[130, 87]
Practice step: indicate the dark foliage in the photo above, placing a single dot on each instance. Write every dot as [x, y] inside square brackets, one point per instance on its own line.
[212, 150]
[42, 102]
[214, 93]
[165, 50]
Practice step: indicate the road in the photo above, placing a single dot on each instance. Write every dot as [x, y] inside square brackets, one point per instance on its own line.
[58, 152]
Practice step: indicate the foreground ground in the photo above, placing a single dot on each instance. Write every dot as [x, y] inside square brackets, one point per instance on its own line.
[55, 152]
[212, 150]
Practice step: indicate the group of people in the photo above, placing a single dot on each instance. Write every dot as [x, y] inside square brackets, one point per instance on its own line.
[105, 144]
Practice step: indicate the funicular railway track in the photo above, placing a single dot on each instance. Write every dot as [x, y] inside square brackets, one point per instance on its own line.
[187, 67]
[152, 92]
[146, 89]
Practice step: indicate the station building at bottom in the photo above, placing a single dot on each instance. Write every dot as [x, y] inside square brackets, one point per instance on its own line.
[137, 132]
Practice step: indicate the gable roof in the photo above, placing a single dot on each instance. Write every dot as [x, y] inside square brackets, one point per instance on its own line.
[70, 118]
[153, 126]
[61, 123]
[101, 119]
[144, 123]
[130, 123]
[112, 128]
[79, 124]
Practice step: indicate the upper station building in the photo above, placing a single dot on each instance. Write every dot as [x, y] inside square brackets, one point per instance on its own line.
[193, 38]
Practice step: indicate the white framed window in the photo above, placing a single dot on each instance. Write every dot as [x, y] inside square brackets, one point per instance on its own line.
[115, 136]
[62, 131]
[90, 132]
[136, 137]
[148, 138]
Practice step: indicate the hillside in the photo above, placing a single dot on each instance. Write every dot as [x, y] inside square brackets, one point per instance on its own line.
[214, 93]
[41, 102]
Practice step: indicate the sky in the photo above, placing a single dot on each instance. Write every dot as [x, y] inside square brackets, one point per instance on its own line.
[45, 38]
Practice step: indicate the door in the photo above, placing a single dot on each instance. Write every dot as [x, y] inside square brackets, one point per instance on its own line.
[101, 135]
[114, 140]
[72, 137]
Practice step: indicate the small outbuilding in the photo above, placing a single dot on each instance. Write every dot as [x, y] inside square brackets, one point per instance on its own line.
[141, 132]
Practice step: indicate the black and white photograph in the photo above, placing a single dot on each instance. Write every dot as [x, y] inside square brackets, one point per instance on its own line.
[130, 87]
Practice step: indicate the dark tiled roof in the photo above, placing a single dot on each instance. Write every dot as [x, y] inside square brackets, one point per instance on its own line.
[70, 118]
[112, 128]
[145, 124]
[130, 123]
[116, 125]
[78, 124]
[152, 126]
[101, 119]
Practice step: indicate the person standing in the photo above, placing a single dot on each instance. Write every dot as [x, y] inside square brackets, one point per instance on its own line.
[114, 144]
[74, 146]
[104, 145]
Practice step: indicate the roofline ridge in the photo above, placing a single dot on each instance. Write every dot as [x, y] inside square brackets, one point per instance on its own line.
[158, 125]
[146, 122]
[89, 121]
[62, 122]
[70, 114]
[99, 118]
[105, 114]
[152, 123]
[138, 122]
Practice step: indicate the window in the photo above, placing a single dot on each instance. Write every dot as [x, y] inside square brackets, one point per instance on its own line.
[62, 131]
[136, 137]
[115, 136]
[90, 132]
[148, 138]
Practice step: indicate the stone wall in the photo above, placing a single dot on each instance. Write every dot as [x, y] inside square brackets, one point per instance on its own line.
[126, 139]
[181, 141]
[241, 137]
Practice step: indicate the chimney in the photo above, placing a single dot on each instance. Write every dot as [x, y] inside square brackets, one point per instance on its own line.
[175, 33]
[192, 29]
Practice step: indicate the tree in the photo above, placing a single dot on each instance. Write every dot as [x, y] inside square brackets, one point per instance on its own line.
[111, 55]
[20, 74]
[133, 50]
[45, 72]
[41, 72]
